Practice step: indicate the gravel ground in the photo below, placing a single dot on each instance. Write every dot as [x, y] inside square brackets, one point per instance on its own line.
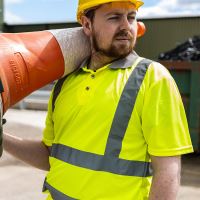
[21, 182]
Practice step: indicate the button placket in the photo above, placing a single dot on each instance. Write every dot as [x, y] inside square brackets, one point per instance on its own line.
[87, 88]
[93, 76]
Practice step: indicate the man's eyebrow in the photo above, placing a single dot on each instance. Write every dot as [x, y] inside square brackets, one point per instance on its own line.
[119, 13]
[132, 13]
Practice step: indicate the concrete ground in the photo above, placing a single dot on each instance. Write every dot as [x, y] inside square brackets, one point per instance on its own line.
[19, 181]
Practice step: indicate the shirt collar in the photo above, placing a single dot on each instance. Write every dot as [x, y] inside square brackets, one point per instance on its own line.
[122, 63]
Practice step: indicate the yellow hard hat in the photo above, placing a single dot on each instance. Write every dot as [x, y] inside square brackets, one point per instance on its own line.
[87, 4]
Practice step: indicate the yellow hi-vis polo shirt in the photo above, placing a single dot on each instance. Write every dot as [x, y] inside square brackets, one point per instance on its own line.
[106, 124]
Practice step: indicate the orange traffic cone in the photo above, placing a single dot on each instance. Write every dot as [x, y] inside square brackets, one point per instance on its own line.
[29, 61]
[141, 29]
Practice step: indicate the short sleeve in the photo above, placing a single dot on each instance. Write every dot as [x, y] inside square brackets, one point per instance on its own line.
[48, 132]
[164, 121]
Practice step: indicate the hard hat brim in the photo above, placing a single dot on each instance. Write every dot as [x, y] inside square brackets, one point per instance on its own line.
[91, 4]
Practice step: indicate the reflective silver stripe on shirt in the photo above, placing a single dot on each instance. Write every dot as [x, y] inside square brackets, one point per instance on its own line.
[55, 194]
[100, 162]
[110, 162]
[125, 108]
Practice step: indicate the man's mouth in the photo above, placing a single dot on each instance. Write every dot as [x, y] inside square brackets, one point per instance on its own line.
[122, 38]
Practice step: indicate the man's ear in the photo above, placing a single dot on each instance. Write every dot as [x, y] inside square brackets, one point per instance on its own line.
[86, 24]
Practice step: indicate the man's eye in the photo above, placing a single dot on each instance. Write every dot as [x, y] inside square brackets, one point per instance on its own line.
[113, 18]
[132, 17]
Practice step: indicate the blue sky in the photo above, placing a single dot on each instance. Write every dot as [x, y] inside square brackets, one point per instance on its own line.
[55, 11]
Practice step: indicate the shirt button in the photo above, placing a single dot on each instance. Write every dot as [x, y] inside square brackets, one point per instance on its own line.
[92, 76]
[87, 88]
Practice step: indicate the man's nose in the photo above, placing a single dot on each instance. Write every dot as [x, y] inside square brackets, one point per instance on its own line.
[125, 24]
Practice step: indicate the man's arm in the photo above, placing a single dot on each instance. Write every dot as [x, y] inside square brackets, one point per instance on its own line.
[166, 178]
[32, 152]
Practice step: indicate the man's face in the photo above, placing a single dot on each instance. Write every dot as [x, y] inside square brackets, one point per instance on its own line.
[114, 29]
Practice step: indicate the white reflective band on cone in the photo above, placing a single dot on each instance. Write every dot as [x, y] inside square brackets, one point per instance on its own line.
[74, 45]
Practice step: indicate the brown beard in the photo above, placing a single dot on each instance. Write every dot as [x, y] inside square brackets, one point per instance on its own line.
[115, 52]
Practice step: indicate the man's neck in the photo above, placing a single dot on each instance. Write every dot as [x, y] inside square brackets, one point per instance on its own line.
[99, 60]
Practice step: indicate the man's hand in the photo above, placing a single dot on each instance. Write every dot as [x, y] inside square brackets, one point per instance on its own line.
[32, 152]
[166, 178]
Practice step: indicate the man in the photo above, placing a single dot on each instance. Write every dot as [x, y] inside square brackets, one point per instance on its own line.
[111, 118]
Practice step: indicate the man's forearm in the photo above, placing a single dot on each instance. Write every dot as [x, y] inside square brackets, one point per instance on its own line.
[34, 153]
[166, 178]
[164, 188]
